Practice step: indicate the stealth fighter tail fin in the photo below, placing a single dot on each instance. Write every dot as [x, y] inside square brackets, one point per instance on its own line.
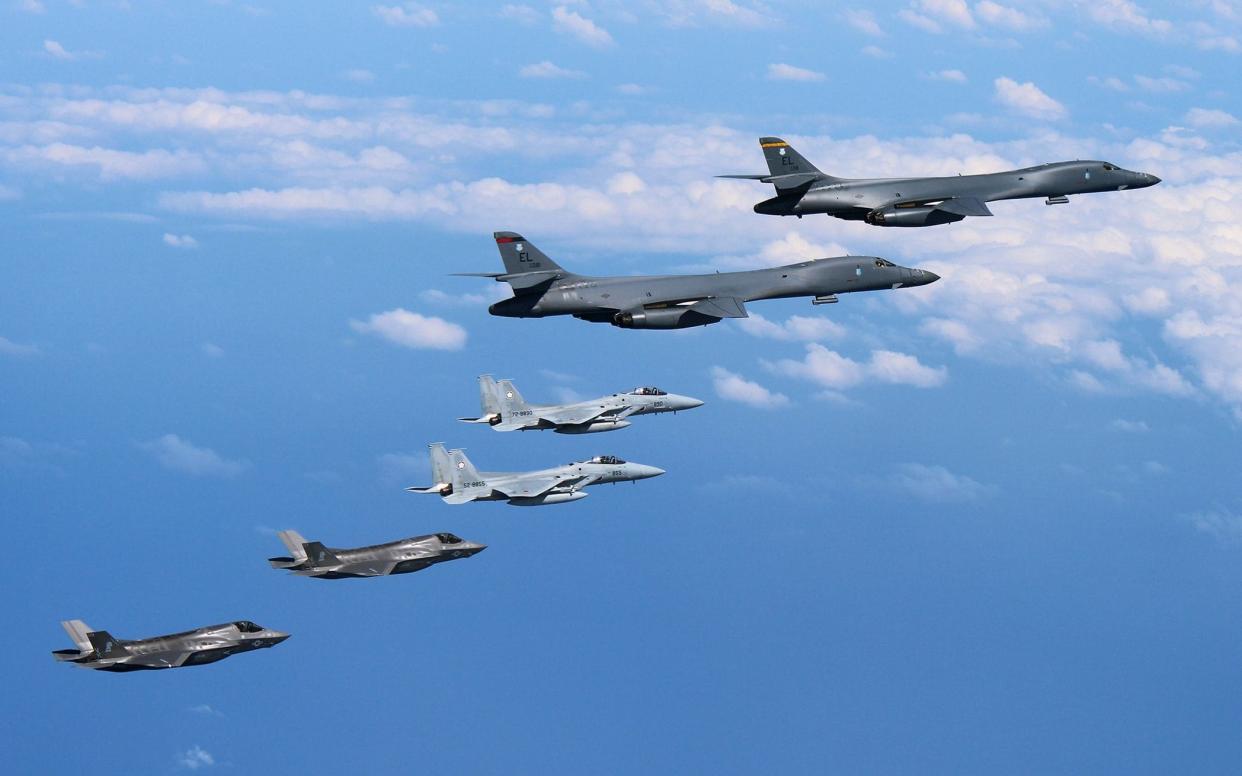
[105, 645]
[294, 541]
[77, 631]
[319, 555]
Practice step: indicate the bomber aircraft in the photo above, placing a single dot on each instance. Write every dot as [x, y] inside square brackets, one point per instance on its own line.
[312, 559]
[458, 482]
[541, 288]
[504, 409]
[801, 189]
[101, 651]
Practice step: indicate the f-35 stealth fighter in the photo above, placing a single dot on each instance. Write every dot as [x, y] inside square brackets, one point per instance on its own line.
[504, 409]
[801, 189]
[541, 288]
[312, 559]
[458, 482]
[101, 651]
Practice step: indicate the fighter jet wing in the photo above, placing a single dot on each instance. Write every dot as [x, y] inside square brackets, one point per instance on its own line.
[533, 488]
[571, 416]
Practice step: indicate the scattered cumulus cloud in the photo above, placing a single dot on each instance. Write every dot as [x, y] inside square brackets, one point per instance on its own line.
[195, 757]
[875, 52]
[956, 76]
[934, 15]
[795, 328]
[179, 240]
[580, 28]
[412, 330]
[407, 15]
[212, 350]
[1210, 118]
[734, 387]
[546, 69]
[180, 455]
[837, 372]
[399, 468]
[864, 21]
[783, 72]
[10, 348]
[937, 484]
[55, 50]
[1221, 524]
[523, 14]
[1008, 17]
[1129, 426]
[1028, 100]
[358, 75]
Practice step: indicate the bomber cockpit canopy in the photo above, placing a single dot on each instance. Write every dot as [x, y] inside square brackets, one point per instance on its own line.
[611, 460]
[246, 626]
[650, 390]
[448, 538]
[884, 263]
[1111, 167]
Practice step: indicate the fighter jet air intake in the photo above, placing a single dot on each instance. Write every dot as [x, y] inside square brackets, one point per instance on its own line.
[504, 409]
[801, 189]
[458, 482]
[312, 559]
[101, 651]
[542, 288]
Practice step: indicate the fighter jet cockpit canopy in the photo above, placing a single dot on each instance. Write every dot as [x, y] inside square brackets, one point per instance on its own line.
[649, 391]
[448, 538]
[611, 460]
[246, 626]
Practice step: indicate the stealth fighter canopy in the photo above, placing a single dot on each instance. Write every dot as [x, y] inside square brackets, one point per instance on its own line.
[246, 626]
[448, 538]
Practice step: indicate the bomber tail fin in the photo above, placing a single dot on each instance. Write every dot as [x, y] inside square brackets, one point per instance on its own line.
[782, 159]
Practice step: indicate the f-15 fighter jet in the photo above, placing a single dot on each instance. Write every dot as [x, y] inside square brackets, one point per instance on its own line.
[457, 481]
[541, 288]
[504, 409]
[312, 559]
[801, 189]
[101, 651]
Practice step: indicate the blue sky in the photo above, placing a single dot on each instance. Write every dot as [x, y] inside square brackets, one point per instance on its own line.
[988, 525]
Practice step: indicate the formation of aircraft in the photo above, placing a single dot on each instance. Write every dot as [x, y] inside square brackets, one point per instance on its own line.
[458, 482]
[541, 288]
[801, 189]
[313, 559]
[504, 409]
[102, 651]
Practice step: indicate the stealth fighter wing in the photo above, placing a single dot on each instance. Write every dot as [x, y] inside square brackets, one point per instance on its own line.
[802, 189]
[103, 652]
[542, 288]
[504, 409]
[458, 482]
[313, 559]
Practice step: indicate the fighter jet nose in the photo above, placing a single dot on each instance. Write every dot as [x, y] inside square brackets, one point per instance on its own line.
[476, 549]
[691, 403]
[651, 471]
[278, 637]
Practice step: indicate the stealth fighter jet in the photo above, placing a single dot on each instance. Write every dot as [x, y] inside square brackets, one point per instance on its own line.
[101, 651]
[541, 288]
[504, 409]
[801, 189]
[457, 481]
[312, 559]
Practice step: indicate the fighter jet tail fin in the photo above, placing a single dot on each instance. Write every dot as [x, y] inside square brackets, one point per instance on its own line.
[468, 484]
[104, 645]
[316, 553]
[441, 466]
[77, 631]
[513, 408]
[294, 541]
[487, 395]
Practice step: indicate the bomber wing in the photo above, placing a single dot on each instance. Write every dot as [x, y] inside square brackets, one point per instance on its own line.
[960, 206]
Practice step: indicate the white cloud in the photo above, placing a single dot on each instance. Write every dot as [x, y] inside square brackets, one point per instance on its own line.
[1163, 84]
[546, 69]
[1129, 426]
[31, 6]
[579, 27]
[1221, 524]
[108, 163]
[179, 240]
[522, 14]
[10, 348]
[358, 75]
[930, 15]
[938, 484]
[864, 21]
[1210, 118]
[1028, 99]
[407, 15]
[211, 350]
[956, 76]
[632, 90]
[173, 452]
[402, 468]
[412, 330]
[1126, 15]
[835, 371]
[783, 72]
[438, 297]
[1009, 18]
[195, 757]
[734, 387]
[692, 13]
[795, 328]
[57, 51]
[875, 52]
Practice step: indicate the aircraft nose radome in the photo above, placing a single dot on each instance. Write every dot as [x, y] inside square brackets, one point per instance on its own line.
[645, 472]
[689, 402]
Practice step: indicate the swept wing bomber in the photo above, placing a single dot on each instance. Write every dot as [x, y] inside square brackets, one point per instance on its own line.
[313, 559]
[541, 288]
[504, 409]
[801, 189]
[103, 652]
[458, 482]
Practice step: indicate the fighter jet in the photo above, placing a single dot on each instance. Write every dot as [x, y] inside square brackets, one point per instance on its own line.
[101, 651]
[504, 409]
[541, 288]
[801, 189]
[312, 559]
[457, 481]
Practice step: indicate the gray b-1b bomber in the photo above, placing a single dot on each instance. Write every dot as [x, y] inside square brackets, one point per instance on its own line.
[101, 651]
[458, 482]
[801, 189]
[504, 409]
[542, 288]
[312, 559]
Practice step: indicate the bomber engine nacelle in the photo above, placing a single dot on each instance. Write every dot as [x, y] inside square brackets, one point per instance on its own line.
[560, 497]
[923, 215]
[593, 428]
[662, 318]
